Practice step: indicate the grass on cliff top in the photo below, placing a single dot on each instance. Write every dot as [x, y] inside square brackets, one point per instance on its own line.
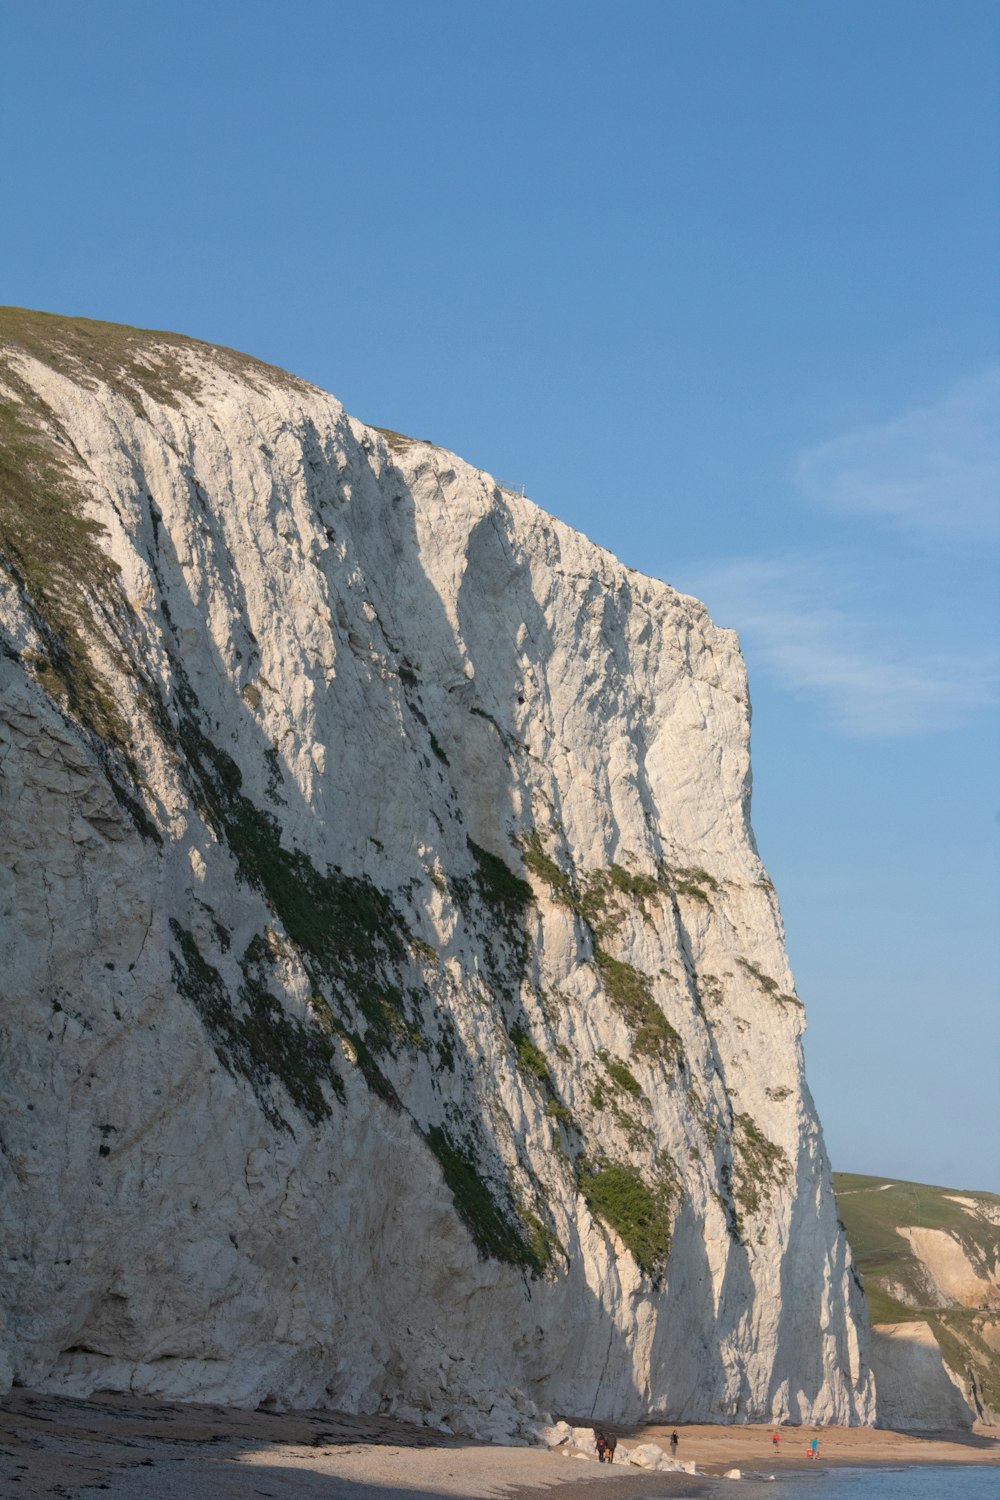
[127, 359]
[874, 1209]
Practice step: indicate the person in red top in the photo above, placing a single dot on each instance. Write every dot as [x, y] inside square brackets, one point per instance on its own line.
[776, 1442]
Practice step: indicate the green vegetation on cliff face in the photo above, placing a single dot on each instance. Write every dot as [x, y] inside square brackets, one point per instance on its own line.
[499, 1231]
[640, 1214]
[901, 1285]
[50, 549]
[49, 546]
[262, 1043]
[606, 901]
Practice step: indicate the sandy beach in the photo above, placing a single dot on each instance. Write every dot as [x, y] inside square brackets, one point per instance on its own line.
[133, 1449]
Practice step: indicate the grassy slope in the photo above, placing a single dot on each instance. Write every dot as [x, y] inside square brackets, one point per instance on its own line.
[873, 1214]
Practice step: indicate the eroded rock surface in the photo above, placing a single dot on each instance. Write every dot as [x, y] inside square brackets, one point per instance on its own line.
[396, 1012]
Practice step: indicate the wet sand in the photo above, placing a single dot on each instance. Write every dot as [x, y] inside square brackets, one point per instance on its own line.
[133, 1449]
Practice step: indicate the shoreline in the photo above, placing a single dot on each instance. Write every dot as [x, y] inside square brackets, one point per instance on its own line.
[136, 1448]
[748, 1446]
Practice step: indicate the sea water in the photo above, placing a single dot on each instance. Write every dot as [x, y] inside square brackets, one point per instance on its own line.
[942, 1482]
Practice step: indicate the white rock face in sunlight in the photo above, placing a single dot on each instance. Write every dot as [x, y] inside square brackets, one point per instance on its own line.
[396, 1011]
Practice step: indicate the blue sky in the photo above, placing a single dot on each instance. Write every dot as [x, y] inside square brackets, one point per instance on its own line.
[717, 282]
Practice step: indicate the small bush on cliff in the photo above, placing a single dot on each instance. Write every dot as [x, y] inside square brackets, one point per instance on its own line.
[497, 884]
[630, 991]
[531, 1058]
[622, 1076]
[543, 865]
[759, 1165]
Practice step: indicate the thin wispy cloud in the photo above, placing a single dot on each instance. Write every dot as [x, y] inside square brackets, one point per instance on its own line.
[801, 620]
[934, 472]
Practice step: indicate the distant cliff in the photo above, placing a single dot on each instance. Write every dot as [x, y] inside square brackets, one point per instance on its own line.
[931, 1263]
[396, 1012]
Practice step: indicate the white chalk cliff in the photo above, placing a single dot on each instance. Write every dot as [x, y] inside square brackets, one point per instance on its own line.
[395, 1011]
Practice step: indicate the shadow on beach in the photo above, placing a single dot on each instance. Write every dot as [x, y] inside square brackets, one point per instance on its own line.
[134, 1448]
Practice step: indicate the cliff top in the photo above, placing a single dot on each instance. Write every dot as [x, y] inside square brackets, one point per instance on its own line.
[124, 357]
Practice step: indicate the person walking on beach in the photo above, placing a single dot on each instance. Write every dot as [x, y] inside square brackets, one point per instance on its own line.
[814, 1448]
[602, 1445]
[776, 1441]
[674, 1440]
[612, 1445]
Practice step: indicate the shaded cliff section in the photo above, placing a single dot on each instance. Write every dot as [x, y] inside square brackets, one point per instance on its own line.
[397, 1014]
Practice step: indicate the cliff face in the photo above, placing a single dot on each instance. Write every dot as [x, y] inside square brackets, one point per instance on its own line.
[396, 1012]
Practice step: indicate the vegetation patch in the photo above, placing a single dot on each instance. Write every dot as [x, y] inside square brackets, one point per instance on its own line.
[710, 989]
[344, 928]
[262, 1043]
[621, 1076]
[302, 1057]
[68, 584]
[694, 883]
[759, 1165]
[424, 951]
[496, 1228]
[561, 1112]
[640, 1214]
[768, 985]
[596, 906]
[630, 991]
[534, 1062]
[642, 887]
[600, 901]
[339, 923]
[132, 361]
[497, 884]
[542, 865]
[530, 1057]
[544, 1245]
